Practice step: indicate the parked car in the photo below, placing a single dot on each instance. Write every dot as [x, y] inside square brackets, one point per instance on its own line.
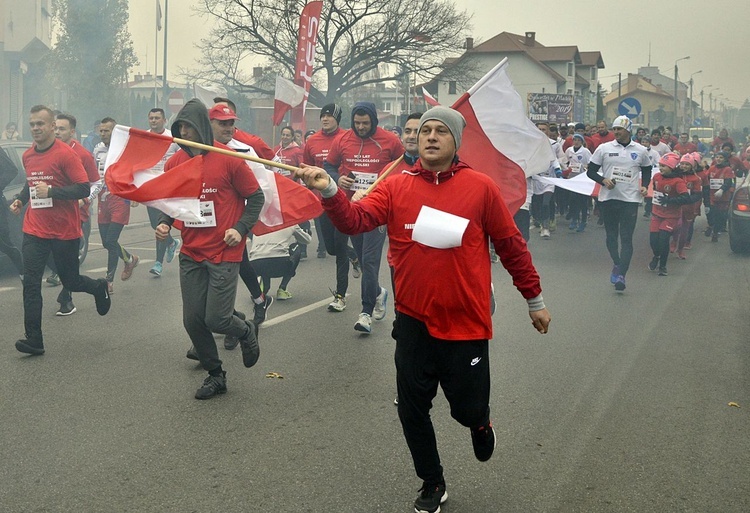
[15, 150]
[739, 218]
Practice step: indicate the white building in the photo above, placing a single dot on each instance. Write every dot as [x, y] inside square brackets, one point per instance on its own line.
[25, 37]
[533, 68]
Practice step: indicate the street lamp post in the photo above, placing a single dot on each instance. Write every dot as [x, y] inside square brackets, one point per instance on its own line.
[675, 89]
[692, 105]
[703, 113]
[710, 105]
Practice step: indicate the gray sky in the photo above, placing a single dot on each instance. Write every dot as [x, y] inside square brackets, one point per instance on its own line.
[715, 34]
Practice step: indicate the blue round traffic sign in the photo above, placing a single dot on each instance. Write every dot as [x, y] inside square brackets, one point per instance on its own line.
[629, 107]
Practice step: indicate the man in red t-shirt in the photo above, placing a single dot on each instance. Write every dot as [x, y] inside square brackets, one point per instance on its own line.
[263, 150]
[684, 146]
[439, 218]
[355, 160]
[65, 130]
[212, 248]
[602, 135]
[55, 181]
[315, 151]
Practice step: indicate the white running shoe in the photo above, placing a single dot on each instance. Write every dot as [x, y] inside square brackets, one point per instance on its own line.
[364, 323]
[380, 305]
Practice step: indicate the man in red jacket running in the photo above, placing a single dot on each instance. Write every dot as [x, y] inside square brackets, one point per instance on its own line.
[439, 218]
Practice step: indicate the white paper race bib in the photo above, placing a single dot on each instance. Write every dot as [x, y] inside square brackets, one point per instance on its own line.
[657, 199]
[575, 168]
[209, 216]
[624, 174]
[438, 229]
[362, 181]
[716, 183]
[37, 202]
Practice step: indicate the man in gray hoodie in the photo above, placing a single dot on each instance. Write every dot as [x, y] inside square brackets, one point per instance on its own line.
[211, 252]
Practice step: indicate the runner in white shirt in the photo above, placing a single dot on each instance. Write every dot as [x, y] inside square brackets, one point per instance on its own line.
[625, 174]
[578, 157]
[168, 247]
[658, 145]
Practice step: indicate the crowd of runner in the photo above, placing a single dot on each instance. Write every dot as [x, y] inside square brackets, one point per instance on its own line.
[672, 176]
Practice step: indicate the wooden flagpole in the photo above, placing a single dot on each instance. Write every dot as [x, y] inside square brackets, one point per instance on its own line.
[385, 174]
[232, 153]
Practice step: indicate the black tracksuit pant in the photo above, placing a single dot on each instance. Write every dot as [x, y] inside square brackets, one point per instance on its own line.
[423, 362]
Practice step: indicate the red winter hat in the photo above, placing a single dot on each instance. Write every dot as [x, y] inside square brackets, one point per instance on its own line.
[689, 158]
[671, 160]
[221, 113]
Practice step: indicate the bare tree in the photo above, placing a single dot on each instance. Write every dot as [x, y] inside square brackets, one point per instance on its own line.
[355, 38]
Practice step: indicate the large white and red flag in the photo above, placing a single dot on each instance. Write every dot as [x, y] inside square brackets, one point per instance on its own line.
[499, 140]
[580, 184]
[307, 39]
[287, 95]
[429, 99]
[287, 203]
[131, 172]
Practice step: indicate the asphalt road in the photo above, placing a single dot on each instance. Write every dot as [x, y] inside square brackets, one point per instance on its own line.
[623, 406]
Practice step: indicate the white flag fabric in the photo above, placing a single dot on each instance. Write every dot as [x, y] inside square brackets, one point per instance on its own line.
[287, 95]
[499, 140]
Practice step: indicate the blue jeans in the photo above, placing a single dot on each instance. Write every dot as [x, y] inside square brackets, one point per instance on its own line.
[369, 249]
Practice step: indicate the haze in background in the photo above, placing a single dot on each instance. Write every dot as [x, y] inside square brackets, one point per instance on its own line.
[713, 34]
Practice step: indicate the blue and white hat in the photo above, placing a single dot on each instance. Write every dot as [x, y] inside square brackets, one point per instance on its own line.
[623, 122]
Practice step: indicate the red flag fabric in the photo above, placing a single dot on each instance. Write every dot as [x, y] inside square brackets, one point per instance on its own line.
[287, 203]
[499, 140]
[130, 173]
[309, 22]
[429, 99]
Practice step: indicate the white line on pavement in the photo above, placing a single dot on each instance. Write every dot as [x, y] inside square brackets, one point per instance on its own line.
[104, 269]
[295, 313]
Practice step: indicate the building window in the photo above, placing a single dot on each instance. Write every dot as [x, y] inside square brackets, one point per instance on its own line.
[452, 87]
[570, 91]
[387, 106]
[570, 69]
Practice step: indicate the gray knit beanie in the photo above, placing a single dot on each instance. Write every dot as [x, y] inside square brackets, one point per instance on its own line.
[449, 117]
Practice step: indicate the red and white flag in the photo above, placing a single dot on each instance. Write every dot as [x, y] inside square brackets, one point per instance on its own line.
[288, 95]
[130, 173]
[429, 99]
[580, 184]
[287, 203]
[499, 140]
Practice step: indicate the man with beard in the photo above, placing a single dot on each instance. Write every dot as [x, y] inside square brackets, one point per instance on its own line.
[354, 161]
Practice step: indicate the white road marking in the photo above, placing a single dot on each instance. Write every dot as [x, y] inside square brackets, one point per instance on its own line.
[104, 269]
[295, 313]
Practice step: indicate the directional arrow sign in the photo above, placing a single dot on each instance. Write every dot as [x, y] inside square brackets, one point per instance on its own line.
[629, 107]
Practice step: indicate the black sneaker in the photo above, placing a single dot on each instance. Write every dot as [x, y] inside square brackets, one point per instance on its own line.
[27, 346]
[101, 297]
[653, 264]
[53, 279]
[483, 440]
[230, 342]
[212, 386]
[67, 308]
[249, 346]
[261, 310]
[192, 355]
[431, 496]
[662, 271]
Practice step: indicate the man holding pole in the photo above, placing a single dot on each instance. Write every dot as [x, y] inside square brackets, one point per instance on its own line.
[439, 218]
[211, 253]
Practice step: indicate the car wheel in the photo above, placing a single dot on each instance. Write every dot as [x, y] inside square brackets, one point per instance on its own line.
[736, 246]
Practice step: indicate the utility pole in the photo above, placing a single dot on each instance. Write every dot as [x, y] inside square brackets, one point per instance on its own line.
[675, 90]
